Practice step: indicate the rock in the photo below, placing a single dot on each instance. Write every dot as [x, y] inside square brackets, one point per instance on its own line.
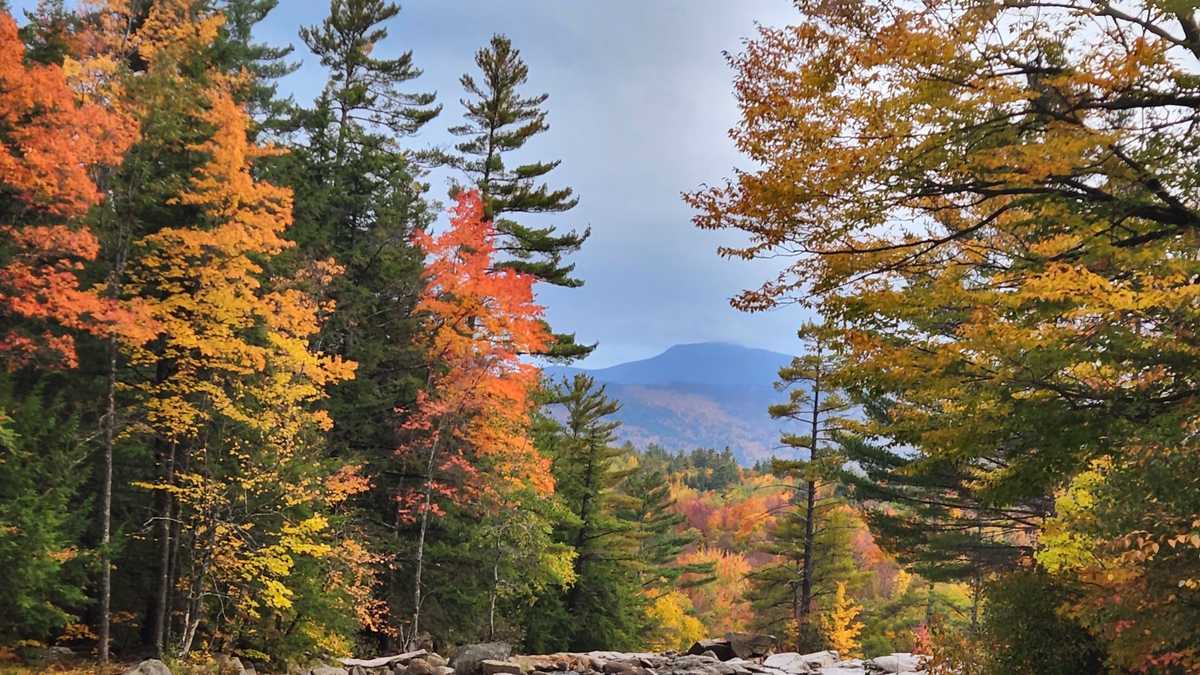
[710, 654]
[468, 658]
[382, 661]
[435, 660]
[841, 670]
[150, 667]
[750, 645]
[443, 670]
[228, 664]
[719, 647]
[791, 662]
[328, 670]
[497, 667]
[419, 666]
[631, 667]
[899, 662]
[359, 670]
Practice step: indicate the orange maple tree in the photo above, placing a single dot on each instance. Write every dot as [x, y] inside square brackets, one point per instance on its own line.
[472, 419]
[51, 137]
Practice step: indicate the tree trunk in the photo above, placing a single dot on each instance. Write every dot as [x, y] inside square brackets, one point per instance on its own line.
[810, 516]
[492, 599]
[106, 506]
[427, 502]
[164, 560]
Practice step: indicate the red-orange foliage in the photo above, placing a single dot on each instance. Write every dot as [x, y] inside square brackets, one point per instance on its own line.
[478, 321]
[51, 138]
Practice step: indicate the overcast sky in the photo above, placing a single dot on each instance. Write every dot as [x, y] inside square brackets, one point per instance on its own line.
[640, 105]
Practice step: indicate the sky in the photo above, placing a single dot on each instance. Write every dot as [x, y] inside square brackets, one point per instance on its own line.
[640, 105]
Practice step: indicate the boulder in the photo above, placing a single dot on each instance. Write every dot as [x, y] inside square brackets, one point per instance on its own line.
[791, 662]
[899, 662]
[419, 666]
[150, 667]
[228, 664]
[443, 670]
[435, 660]
[466, 661]
[750, 645]
[497, 667]
[841, 670]
[720, 648]
[328, 670]
[630, 667]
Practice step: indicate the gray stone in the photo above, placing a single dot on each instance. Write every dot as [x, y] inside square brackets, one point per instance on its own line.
[419, 666]
[328, 670]
[791, 662]
[443, 670]
[466, 661]
[899, 662]
[497, 667]
[150, 667]
[750, 645]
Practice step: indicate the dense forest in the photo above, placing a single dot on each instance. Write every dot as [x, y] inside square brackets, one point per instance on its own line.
[267, 392]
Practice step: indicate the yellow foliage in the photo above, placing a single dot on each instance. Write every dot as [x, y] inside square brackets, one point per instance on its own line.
[840, 623]
[673, 625]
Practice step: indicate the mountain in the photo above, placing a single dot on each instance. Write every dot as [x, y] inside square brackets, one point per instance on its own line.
[708, 394]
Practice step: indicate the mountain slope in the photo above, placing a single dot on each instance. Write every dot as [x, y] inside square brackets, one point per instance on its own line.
[708, 394]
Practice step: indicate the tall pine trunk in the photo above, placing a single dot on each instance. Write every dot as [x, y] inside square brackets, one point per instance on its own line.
[810, 525]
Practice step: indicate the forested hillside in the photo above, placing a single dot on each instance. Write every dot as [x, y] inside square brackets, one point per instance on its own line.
[696, 395]
[267, 391]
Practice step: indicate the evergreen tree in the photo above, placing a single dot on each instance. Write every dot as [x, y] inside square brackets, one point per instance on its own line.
[41, 515]
[821, 556]
[500, 120]
[933, 514]
[257, 66]
[662, 535]
[603, 609]
[820, 413]
[359, 200]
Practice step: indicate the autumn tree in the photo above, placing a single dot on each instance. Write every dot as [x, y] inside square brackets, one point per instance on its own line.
[469, 431]
[994, 203]
[500, 120]
[48, 185]
[235, 398]
[840, 623]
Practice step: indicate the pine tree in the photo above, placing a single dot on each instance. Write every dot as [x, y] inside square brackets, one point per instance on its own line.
[603, 609]
[500, 120]
[362, 88]
[661, 534]
[254, 66]
[820, 412]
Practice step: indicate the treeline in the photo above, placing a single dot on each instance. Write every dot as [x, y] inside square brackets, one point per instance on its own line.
[993, 208]
[253, 401]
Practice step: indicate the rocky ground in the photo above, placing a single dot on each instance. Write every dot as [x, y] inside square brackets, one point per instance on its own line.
[736, 654]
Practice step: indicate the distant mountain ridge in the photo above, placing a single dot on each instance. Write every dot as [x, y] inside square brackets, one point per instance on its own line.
[706, 394]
